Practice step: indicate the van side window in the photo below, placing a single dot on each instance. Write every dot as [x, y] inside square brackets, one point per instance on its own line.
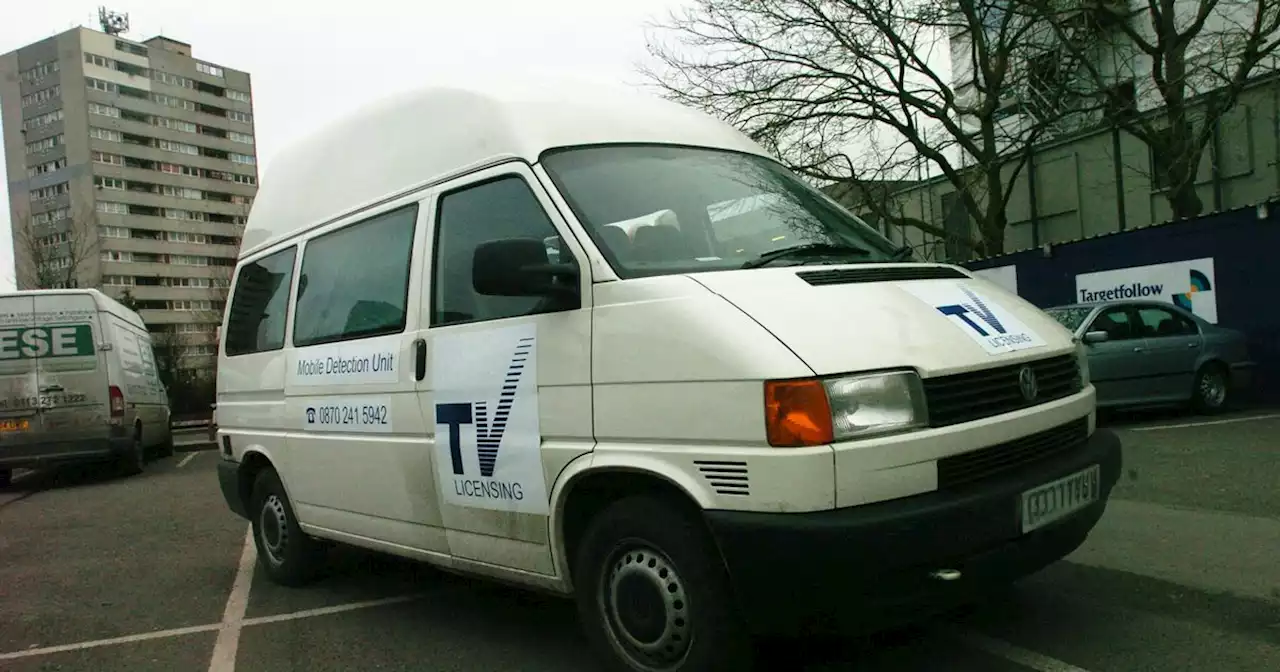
[499, 209]
[354, 281]
[255, 321]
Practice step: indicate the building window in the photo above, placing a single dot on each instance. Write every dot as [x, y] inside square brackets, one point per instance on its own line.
[179, 147]
[113, 232]
[108, 182]
[244, 179]
[43, 96]
[135, 49]
[50, 191]
[45, 144]
[47, 167]
[118, 280]
[109, 208]
[117, 255]
[240, 137]
[346, 299]
[192, 305]
[502, 208]
[106, 134]
[94, 59]
[244, 117]
[104, 110]
[175, 124]
[39, 72]
[245, 159]
[50, 217]
[211, 70]
[181, 192]
[188, 215]
[53, 240]
[238, 95]
[42, 120]
[100, 85]
[108, 159]
[173, 80]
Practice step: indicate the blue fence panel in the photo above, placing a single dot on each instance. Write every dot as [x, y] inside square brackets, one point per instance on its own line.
[1244, 245]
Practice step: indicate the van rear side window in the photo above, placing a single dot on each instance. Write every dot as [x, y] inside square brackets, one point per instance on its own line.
[354, 281]
[255, 321]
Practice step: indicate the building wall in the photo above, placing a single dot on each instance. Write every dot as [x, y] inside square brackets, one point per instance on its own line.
[160, 164]
[1077, 194]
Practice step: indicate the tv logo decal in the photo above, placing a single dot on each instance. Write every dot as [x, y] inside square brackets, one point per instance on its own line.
[995, 329]
[488, 442]
[1188, 284]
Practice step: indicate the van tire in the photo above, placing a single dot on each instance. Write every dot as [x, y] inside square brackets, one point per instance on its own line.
[134, 461]
[166, 449]
[285, 552]
[6, 478]
[665, 558]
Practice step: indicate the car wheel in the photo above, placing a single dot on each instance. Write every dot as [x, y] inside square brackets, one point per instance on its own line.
[6, 478]
[1212, 388]
[289, 556]
[134, 461]
[653, 594]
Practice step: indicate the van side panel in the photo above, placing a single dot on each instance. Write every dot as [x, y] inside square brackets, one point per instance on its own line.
[133, 370]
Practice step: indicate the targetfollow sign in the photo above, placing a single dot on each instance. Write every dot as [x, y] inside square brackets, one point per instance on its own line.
[1189, 284]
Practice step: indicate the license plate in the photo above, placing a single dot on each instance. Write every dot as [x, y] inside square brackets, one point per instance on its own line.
[1058, 499]
[14, 425]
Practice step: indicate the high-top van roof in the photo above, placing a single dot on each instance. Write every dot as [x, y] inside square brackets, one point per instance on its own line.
[103, 302]
[415, 139]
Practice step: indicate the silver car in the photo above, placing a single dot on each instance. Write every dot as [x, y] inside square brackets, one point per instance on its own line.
[1150, 353]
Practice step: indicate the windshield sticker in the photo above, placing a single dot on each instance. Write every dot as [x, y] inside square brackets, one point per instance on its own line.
[988, 323]
[488, 442]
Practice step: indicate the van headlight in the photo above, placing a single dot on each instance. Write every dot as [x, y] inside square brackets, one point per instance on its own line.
[814, 412]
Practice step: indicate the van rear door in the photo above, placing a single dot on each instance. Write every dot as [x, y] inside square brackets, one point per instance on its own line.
[73, 380]
[19, 372]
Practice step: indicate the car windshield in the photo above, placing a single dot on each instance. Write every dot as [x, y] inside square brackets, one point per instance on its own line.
[1070, 316]
[655, 210]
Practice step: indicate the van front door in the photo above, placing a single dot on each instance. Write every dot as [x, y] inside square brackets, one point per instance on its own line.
[507, 379]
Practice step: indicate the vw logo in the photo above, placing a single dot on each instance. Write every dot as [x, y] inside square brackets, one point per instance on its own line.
[1027, 383]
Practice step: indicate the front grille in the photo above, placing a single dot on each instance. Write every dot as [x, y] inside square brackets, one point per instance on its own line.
[981, 394]
[849, 276]
[985, 462]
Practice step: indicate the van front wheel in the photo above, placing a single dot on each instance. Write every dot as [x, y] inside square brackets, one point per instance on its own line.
[652, 593]
[288, 555]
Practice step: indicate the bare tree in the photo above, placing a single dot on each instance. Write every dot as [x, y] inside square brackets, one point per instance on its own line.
[816, 80]
[53, 248]
[1188, 61]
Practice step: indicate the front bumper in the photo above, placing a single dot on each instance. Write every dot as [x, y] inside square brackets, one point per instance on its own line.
[865, 565]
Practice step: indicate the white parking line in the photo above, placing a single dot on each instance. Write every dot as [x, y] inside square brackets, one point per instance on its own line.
[127, 639]
[188, 458]
[1204, 423]
[1011, 652]
[224, 650]
[325, 611]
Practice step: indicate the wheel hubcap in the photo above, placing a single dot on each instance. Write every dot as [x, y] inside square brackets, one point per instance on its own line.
[273, 529]
[647, 609]
[1213, 388]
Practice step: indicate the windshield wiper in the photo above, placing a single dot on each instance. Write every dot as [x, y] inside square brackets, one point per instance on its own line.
[903, 253]
[808, 249]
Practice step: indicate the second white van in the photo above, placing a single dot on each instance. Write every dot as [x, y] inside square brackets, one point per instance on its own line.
[601, 345]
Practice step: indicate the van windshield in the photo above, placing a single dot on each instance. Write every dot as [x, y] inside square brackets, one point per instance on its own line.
[655, 210]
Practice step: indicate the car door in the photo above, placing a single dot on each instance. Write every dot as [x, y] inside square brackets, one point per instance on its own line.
[1117, 365]
[506, 379]
[1173, 346]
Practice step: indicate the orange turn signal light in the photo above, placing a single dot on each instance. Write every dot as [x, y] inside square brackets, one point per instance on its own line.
[797, 413]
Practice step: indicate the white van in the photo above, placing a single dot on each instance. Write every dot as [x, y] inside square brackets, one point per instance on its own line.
[598, 344]
[78, 383]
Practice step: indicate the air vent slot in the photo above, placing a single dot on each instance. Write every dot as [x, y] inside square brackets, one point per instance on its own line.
[850, 276]
[725, 477]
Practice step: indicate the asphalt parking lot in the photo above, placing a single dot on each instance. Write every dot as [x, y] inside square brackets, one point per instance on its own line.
[150, 573]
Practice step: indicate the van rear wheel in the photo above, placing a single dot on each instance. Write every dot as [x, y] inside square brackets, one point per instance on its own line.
[289, 556]
[653, 595]
[135, 458]
[6, 478]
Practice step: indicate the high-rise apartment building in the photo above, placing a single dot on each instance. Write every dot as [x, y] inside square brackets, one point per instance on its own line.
[132, 166]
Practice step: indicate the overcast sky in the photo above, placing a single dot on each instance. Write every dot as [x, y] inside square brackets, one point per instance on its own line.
[312, 62]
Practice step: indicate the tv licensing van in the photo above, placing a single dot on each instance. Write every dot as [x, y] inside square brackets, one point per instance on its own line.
[598, 344]
[78, 383]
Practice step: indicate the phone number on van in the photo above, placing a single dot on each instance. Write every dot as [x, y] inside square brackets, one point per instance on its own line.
[357, 416]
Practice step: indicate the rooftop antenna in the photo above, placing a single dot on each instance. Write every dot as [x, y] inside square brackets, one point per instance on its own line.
[112, 22]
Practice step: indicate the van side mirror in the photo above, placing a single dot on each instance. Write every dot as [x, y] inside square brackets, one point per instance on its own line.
[519, 267]
[1096, 337]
